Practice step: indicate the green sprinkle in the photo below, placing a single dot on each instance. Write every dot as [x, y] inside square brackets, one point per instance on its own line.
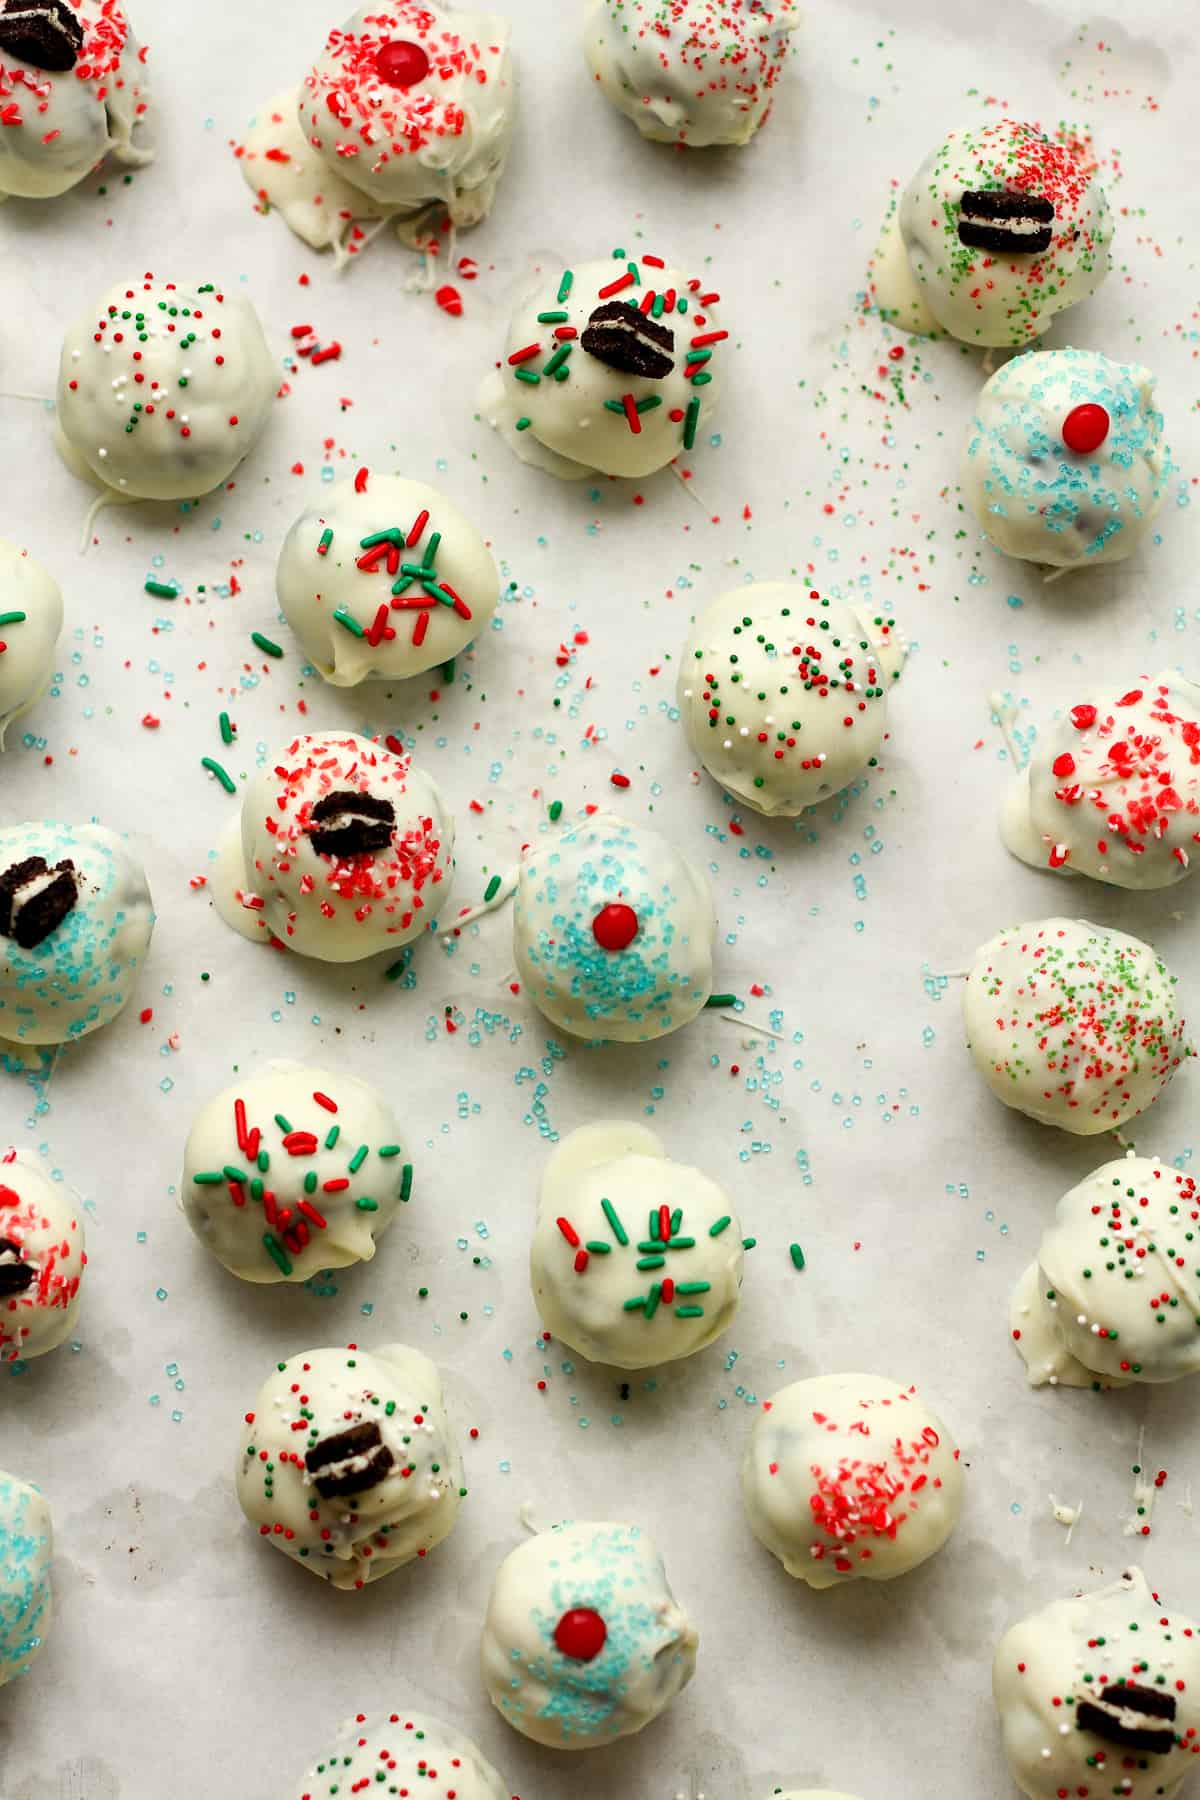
[693, 1287]
[265, 645]
[614, 1223]
[226, 729]
[720, 1226]
[653, 1298]
[691, 422]
[553, 318]
[529, 375]
[689, 1312]
[13, 618]
[395, 970]
[598, 1248]
[523, 423]
[652, 1262]
[209, 1178]
[649, 403]
[676, 1220]
[367, 1205]
[214, 768]
[310, 1182]
[348, 622]
[162, 590]
[234, 1174]
[681, 1243]
[326, 540]
[388, 1150]
[277, 1254]
[696, 357]
[797, 1256]
[701, 380]
[636, 1304]
[555, 810]
[359, 1158]
[492, 889]
[721, 1000]
[335, 1132]
[614, 406]
[565, 285]
[556, 362]
[406, 1181]
[749, 1243]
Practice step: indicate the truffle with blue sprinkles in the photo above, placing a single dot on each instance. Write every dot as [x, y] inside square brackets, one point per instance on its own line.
[613, 932]
[402, 1753]
[26, 1549]
[76, 920]
[31, 616]
[1065, 462]
[584, 1642]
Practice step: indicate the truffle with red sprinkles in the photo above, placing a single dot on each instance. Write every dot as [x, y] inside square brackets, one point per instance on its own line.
[414, 105]
[293, 1170]
[1075, 1024]
[1002, 229]
[1114, 1296]
[342, 849]
[693, 72]
[163, 388]
[73, 90]
[348, 1464]
[31, 616]
[783, 694]
[611, 368]
[1100, 1695]
[849, 1477]
[1113, 790]
[402, 1753]
[42, 1258]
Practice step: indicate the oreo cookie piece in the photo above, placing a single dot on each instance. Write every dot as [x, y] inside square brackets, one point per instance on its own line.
[43, 33]
[348, 824]
[991, 219]
[350, 1462]
[15, 1275]
[625, 338]
[1126, 1713]
[35, 899]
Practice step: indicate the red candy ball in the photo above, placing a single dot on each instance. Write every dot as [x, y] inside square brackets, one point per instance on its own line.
[615, 927]
[581, 1634]
[401, 64]
[1085, 428]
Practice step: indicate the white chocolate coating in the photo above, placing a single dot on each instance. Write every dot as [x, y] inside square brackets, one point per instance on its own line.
[683, 1305]
[572, 430]
[849, 1477]
[1075, 1024]
[660, 979]
[340, 904]
[402, 1753]
[1006, 296]
[406, 623]
[291, 178]
[1114, 1296]
[646, 1658]
[26, 1554]
[30, 644]
[1057, 1682]
[186, 366]
[810, 1794]
[42, 1258]
[1035, 496]
[694, 72]
[392, 1491]
[279, 1202]
[82, 975]
[783, 694]
[1113, 790]
[441, 141]
[68, 121]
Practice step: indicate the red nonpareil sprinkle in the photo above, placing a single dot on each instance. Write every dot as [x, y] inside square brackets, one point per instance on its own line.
[450, 301]
[150, 722]
[618, 780]
[146, 1014]
[361, 480]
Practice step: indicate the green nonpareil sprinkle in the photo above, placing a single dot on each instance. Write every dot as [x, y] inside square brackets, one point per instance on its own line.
[395, 970]
[555, 811]
[162, 590]
[749, 1243]
[348, 622]
[715, 1000]
[614, 1223]
[689, 429]
[523, 423]
[492, 889]
[277, 1254]
[406, 1181]
[265, 644]
[565, 285]
[365, 1205]
[214, 768]
[797, 1256]
[720, 1226]
[448, 669]
[13, 618]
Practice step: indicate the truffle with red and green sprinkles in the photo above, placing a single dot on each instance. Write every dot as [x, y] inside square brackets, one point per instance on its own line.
[1002, 229]
[402, 1754]
[1075, 1024]
[1099, 1695]
[163, 388]
[1114, 1296]
[294, 1170]
[784, 693]
[348, 1464]
[612, 368]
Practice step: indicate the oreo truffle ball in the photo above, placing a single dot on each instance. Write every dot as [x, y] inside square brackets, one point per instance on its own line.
[31, 616]
[402, 1753]
[26, 1554]
[42, 1258]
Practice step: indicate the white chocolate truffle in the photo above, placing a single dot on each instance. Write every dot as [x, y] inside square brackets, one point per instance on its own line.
[383, 578]
[1114, 1296]
[42, 1258]
[613, 932]
[1114, 790]
[163, 389]
[584, 1641]
[1100, 1695]
[850, 1477]
[598, 378]
[1004, 229]
[74, 91]
[31, 616]
[1065, 462]
[694, 72]
[1072, 1023]
[402, 1753]
[783, 694]
[291, 1171]
[76, 920]
[414, 104]
[347, 1462]
[289, 177]
[608, 1280]
[344, 849]
[26, 1553]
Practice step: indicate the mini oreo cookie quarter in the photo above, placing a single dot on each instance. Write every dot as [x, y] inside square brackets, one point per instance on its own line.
[46, 35]
[1130, 1714]
[350, 1462]
[350, 824]
[35, 899]
[994, 219]
[623, 337]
